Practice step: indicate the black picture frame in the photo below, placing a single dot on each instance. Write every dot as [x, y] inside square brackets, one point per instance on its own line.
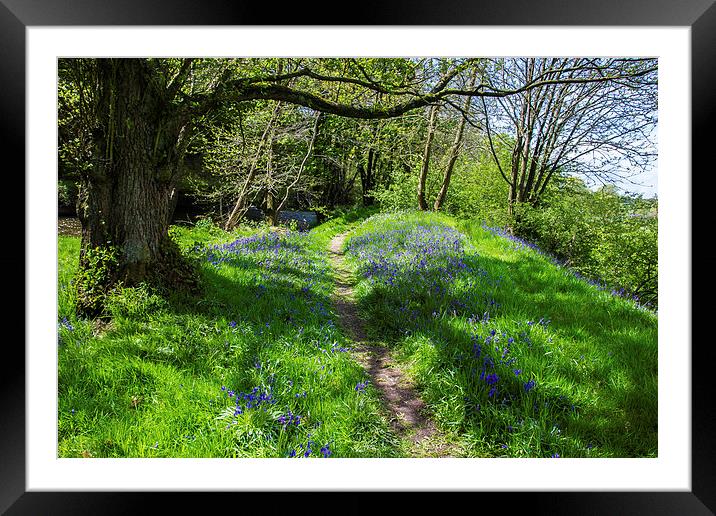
[699, 15]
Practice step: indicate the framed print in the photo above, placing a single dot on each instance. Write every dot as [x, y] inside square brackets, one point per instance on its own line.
[34, 37]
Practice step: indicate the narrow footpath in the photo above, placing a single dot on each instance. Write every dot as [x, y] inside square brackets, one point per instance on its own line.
[405, 408]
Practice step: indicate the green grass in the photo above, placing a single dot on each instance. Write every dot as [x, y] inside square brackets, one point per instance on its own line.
[594, 363]
[150, 383]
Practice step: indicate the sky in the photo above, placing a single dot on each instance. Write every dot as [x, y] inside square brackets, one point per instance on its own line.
[645, 184]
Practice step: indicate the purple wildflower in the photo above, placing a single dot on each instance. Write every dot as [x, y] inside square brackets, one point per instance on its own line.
[67, 324]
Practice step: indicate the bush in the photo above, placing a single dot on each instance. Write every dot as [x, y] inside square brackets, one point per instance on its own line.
[602, 235]
[476, 191]
[400, 195]
[95, 279]
[133, 302]
[205, 224]
[67, 193]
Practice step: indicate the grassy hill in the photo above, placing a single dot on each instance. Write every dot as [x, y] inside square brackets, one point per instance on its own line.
[514, 355]
[255, 368]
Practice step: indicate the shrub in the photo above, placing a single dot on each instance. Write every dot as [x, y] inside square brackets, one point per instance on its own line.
[133, 302]
[67, 193]
[602, 235]
[95, 278]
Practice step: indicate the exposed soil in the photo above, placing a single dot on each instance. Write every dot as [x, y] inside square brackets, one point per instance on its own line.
[406, 409]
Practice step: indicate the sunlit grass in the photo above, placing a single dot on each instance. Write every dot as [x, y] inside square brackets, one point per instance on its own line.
[514, 354]
[228, 374]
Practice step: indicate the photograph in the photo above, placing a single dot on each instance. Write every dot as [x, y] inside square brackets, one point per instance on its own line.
[440, 251]
[357, 257]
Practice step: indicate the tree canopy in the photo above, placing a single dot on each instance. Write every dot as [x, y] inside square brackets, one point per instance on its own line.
[285, 129]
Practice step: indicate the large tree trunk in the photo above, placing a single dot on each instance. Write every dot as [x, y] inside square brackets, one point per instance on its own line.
[131, 211]
[127, 199]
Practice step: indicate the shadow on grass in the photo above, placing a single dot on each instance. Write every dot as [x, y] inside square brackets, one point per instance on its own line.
[162, 361]
[596, 379]
[196, 332]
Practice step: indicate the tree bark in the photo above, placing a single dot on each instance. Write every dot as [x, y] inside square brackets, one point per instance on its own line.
[422, 178]
[455, 149]
[271, 213]
[127, 199]
[367, 177]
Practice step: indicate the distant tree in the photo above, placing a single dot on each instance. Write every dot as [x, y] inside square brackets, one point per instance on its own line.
[456, 144]
[335, 161]
[594, 116]
[425, 167]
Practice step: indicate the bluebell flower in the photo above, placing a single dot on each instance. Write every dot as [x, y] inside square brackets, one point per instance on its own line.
[67, 324]
[360, 387]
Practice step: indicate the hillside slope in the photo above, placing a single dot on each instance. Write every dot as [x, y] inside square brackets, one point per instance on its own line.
[514, 354]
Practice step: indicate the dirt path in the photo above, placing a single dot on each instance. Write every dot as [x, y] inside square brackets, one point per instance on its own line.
[402, 401]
